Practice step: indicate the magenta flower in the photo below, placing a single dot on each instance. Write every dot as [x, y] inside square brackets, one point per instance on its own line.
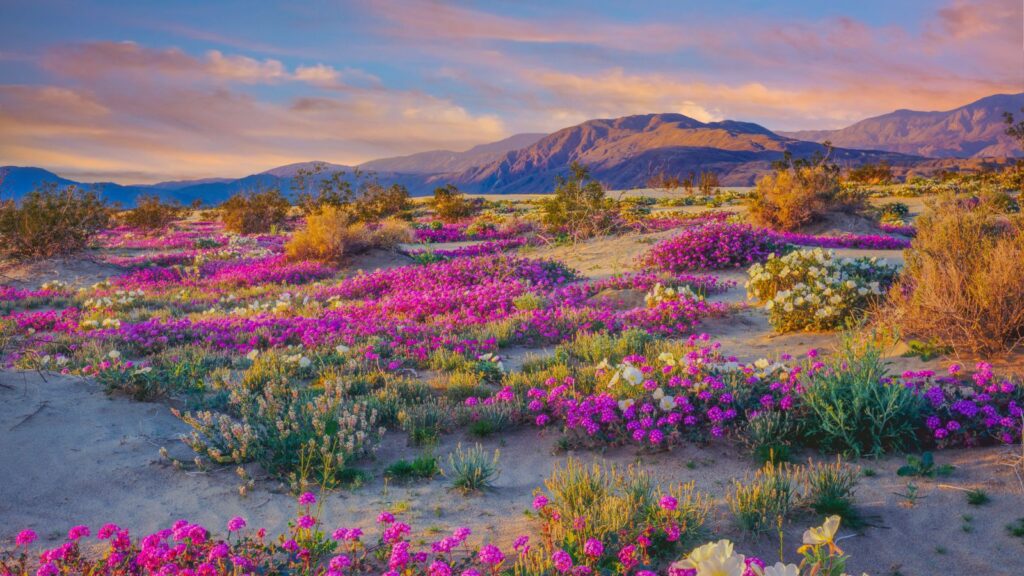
[540, 502]
[24, 538]
[562, 561]
[306, 521]
[307, 499]
[593, 548]
[668, 503]
[491, 555]
[78, 532]
[236, 524]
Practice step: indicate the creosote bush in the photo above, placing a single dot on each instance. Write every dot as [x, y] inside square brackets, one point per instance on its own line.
[331, 234]
[579, 208]
[152, 214]
[255, 212]
[963, 283]
[50, 222]
[451, 205]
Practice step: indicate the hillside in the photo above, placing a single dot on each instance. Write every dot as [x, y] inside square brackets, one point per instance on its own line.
[975, 130]
[447, 161]
[626, 152]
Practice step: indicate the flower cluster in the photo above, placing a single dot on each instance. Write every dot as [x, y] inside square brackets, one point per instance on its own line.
[711, 246]
[815, 289]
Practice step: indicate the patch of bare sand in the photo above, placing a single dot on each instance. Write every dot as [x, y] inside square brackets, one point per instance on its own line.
[80, 270]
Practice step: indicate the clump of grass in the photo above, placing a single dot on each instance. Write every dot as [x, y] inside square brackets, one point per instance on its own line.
[829, 488]
[978, 497]
[472, 470]
[1016, 528]
[758, 502]
[767, 436]
[422, 467]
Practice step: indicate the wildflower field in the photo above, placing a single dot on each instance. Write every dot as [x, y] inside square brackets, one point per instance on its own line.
[680, 391]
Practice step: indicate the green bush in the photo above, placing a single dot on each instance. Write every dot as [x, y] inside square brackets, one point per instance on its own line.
[377, 202]
[451, 205]
[422, 467]
[50, 222]
[255, 212]
[829, 488]
[852, 408]
[152, 214]
[579, 208]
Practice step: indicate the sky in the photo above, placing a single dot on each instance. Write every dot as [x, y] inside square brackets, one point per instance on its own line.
[144, 91]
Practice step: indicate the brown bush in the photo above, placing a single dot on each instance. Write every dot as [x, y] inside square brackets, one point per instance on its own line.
[377, 201]
[50, 222]
[789, 199]
[255, 212]
[330, 236]
[963, 283]
[152, 214]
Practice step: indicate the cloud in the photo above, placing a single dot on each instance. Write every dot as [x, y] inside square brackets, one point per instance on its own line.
[121, 108]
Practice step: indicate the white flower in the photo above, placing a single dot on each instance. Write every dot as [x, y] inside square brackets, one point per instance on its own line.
[667, 403]
[625, 404]
[305, 362]
[114, 354]
[252, 354]
[761, 363]
[633, 375]
[658, 393]
[780, 569]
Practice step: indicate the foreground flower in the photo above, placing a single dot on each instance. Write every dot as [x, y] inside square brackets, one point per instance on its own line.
[822, 535]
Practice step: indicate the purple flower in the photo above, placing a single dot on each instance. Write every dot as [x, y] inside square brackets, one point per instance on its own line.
[236, 524]
[593, 548]
[562, 561]
[307, 499]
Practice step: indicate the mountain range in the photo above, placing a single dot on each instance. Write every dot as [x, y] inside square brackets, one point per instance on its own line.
[625, 153]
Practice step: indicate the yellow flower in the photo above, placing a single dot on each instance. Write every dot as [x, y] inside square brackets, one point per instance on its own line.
[824, 534]
[714, 559]
[780, 569]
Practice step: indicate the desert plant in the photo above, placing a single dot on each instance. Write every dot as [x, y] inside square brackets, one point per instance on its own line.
[711, 246]
[377, 201]
[758, 502]
[852, 406]
[924, 466]
[450, 204]
[152, 214]
[829, 488]
[316, 186]
[963, 283]
[255, 212]
[328, 236]
[472, 470]
[799, 192]
[578, 208]
[50, 221]
[768, 435]
[815, 289]
[422, 467]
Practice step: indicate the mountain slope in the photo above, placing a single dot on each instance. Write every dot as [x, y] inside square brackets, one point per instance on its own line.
[444, 161]
[975, 130]
[626, 152]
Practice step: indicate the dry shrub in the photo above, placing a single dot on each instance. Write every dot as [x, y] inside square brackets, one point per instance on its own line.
[150, 213]
[255, 212]
[330, 235]
[963, 284]
[789, 199]
[50, 222]
[450, 204]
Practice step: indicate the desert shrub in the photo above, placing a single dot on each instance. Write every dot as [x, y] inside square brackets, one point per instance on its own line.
[50, 222]
[330, 235]
[800, 192]
[999, 201]
[769, 435]
[578, 208]
[758, 502]
[291, 431]
[152, 214]
[472, 470]
[850, 405]
[963, 283]
[880, 173]
[829, 488]
[817, 290]
[377, 201]
[710, 246]
[618, 505]
[450, 204]
[424, 423]
[317, 186]
[892, 212]
[255, 212]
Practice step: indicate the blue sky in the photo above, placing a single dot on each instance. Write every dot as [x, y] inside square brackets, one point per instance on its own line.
[143, 91]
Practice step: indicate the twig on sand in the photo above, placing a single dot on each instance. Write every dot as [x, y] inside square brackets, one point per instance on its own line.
[38, 409]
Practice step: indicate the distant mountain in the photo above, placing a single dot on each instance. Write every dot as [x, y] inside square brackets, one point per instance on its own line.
[19, 180]
[446, 161]
[626, 152]
[972, 131]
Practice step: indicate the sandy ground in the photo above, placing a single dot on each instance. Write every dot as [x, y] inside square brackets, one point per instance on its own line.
[73, 455]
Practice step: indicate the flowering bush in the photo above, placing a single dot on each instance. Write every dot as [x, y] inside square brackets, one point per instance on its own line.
[815, 289]
[710, 246]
